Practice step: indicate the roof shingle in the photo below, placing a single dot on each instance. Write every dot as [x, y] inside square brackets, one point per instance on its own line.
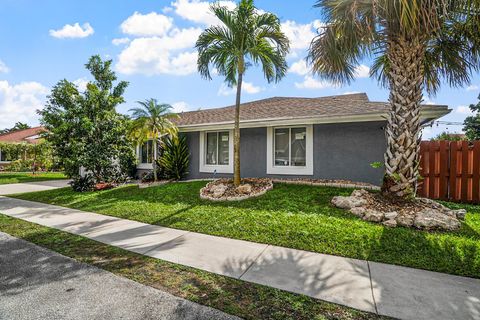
[19, 136]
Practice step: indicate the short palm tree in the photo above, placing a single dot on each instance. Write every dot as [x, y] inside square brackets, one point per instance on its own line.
[152, 120]
[245, 37]
[415, 44]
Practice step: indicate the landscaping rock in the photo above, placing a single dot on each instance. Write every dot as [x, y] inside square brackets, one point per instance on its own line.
[435, 219]
[218, 190]
[373, 216]
[358, 211]
[348, 202]
[390, 223]
[460, 213]
[360, 193]
[391, 215]
[244, 189]
[404, 220]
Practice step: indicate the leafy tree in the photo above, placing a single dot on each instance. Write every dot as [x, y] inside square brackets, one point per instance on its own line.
[152, 121]
[17, 126]
[175, 157]
[85, 128]
[245, 37]
[471, 125]
[415, 45]
[449, 137]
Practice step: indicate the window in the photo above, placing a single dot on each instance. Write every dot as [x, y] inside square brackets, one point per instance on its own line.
[289, 150]
[216, 151]
[146, 152]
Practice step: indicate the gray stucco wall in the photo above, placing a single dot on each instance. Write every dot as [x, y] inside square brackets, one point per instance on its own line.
[340, 151]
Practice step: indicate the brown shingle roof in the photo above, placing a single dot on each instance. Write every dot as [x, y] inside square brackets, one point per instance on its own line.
[290, 108]
[20, 136]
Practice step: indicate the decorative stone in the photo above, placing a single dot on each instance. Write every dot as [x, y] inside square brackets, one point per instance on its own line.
[359, 193]
[432, 203]
[390, 223]
[435, 219]
[218, 190]
[348, 202]
[358, 211]
[391, 215]
[244, 189]
[460, 213]
[373, 215]
[404, 220]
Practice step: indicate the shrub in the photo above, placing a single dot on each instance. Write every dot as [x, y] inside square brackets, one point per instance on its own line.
[82, 184]
[175, 158]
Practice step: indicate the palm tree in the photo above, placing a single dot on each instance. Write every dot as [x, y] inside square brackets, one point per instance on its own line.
[152, 120]
[415, 44]
[245, 37]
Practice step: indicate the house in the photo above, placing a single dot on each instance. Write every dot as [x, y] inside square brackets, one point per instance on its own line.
[30, 136]
[335, 137]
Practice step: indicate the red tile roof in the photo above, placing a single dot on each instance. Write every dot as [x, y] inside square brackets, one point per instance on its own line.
[25, 135]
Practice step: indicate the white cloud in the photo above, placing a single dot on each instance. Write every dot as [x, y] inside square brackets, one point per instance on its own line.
[119, 41]
[428, 101]
[247, 87]
[81, 84]
[180, 106]
[73, 31]
[198, 11]
[464, 110]
[300, 67]
[311, 83]
[170, 54]
[151, 24]
[300, 35]
[19, 102]
[362, 71]
[351, 92]
[473, 87]
[3, 67]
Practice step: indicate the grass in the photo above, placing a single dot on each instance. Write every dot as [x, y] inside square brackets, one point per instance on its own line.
[293, 216]
[19, 177]
[247, 300]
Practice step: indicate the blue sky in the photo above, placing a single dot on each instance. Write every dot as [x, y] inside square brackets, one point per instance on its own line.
[151, 44]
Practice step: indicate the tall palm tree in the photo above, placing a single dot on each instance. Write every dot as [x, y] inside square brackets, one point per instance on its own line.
[152, 120]
[245, 37]
[415, 45]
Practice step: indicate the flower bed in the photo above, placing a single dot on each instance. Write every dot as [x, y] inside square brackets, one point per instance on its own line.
[225, 190]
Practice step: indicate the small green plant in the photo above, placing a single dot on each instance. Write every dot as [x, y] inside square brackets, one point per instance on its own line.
[82, 184]
[376, 164]
[175, 158]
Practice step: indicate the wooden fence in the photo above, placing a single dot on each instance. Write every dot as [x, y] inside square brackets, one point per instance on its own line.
[450, 170]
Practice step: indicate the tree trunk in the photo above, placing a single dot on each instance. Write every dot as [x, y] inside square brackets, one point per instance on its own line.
[236, 133]
[403, 128]
[154, 162]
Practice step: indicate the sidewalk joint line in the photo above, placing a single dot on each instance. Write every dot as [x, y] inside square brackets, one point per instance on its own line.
[254, 260]
[371, 287]
[161, 244]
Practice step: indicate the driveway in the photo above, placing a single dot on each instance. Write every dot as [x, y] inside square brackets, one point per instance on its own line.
[13, 188]
[36, 283]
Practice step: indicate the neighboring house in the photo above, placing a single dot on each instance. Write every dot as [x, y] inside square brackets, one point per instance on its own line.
[335, 137]
[31, 135]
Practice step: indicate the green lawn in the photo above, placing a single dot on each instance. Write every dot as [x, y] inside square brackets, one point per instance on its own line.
[244, 299]
[293, 216]
[18, 177]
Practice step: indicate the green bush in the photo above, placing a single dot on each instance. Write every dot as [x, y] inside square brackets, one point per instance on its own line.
[82, 184]
[175, 158]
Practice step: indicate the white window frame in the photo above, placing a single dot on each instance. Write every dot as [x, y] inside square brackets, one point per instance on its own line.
[218, 168]
[140, 165]
[307, 170]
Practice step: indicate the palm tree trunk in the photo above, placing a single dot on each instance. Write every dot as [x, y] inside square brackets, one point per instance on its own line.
[403, 128]
[236, 133]
[154, 164]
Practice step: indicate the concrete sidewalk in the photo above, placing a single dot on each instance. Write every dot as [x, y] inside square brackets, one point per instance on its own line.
[13, 188]
[385, 289]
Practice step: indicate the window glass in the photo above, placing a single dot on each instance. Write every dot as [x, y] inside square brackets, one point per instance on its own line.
[298, 154]
[282, 147]
[223, 143]
[146, 152]
[211, 155]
